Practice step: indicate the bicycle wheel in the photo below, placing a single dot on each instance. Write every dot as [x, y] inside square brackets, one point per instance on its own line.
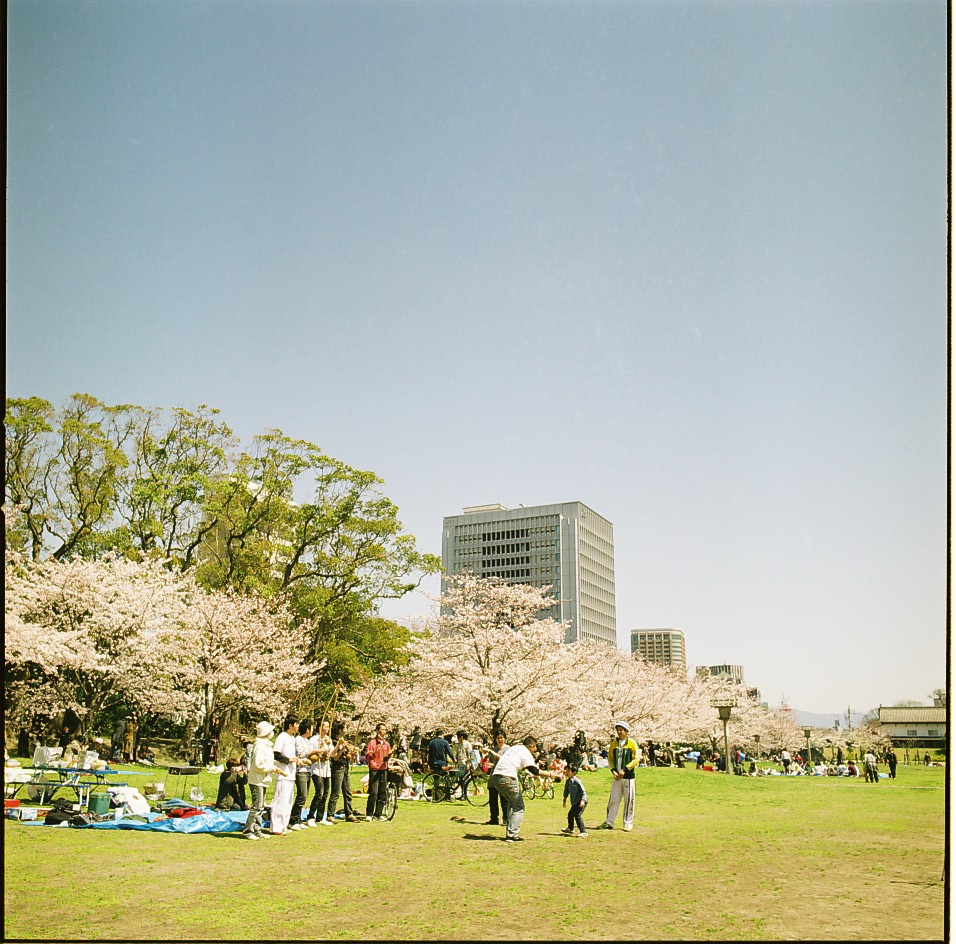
[527, 788]
[391, 801]
[549, 790]
[476, 789]
[436, 788]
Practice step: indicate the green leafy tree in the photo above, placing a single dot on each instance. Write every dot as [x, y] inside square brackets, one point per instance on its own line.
[27, 466]
[282, 518]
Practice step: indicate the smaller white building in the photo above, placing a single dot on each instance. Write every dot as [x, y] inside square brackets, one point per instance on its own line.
[914, 727]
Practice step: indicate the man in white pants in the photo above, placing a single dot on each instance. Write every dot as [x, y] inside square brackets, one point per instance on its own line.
[285, 758]
[622, 757]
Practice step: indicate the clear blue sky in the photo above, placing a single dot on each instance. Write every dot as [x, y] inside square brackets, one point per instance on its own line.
[682, 261]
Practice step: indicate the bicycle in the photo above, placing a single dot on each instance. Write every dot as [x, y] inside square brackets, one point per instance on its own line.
[475, 787]
[391, 800]
[439, 787]
[533, 787]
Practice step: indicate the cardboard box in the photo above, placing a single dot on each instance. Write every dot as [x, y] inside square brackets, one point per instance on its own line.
[27, 812]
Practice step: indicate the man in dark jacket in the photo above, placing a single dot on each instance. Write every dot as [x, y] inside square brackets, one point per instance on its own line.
[440, 754]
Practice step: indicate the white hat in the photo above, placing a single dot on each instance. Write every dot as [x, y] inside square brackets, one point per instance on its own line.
[264, 729]
[622, 724]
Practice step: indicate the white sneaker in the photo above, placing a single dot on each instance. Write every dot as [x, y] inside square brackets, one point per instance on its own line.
[311, 822]
[297, 826]
[368, 819]
[249, 836]
[628, 828]
[382, 819]
[327, 822]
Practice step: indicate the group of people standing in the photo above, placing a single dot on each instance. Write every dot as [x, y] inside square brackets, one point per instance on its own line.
[306, 757]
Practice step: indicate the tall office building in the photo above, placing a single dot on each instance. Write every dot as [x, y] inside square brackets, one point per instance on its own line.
[663, 646]
[567, 547]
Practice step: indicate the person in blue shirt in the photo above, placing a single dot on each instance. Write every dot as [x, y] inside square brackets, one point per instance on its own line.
[440, 754]
[575, 792]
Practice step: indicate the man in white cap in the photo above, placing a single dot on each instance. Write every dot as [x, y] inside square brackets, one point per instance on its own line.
[622, 757]
[262, 766]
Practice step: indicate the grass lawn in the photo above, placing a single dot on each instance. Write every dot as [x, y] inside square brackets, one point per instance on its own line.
[711, 857]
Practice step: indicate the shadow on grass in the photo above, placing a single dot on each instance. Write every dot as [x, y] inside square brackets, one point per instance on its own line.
[487, 838]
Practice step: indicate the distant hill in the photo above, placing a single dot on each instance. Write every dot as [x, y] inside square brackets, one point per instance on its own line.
[816, 720]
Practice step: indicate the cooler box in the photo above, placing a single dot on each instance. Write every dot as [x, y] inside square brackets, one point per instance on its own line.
[10, 803]
[99, 804]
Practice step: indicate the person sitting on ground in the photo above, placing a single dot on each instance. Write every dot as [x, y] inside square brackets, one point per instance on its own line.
[852, 770]
[232, 783]
[145, 754]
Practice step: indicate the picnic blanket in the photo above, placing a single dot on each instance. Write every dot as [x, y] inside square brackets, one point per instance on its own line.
[206, 821]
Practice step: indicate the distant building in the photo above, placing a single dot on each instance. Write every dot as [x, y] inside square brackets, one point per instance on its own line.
[733, 672]
[914, 727]
[661, 646]
[567, 548]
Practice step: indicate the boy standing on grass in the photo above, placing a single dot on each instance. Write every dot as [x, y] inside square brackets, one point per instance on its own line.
[574, 790]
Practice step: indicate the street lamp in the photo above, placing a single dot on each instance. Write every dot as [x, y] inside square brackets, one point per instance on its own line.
[806, 734]
[724, 706]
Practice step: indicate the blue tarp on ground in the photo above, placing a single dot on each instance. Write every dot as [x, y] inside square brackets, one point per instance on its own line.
[209, 821]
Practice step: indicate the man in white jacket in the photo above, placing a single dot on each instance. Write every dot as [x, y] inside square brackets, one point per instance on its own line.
[262, 766]
[285, 759]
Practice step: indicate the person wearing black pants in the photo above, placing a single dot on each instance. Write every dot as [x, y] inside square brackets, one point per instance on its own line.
[376, 753]
[321, 776]
[339, 763]
[496, 818]
[891, 759]
[303, 775]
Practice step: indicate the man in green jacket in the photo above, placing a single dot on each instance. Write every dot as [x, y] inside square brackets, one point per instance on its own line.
[622, 758]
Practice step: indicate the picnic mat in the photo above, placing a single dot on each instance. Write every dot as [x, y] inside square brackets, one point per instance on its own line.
[208, 821]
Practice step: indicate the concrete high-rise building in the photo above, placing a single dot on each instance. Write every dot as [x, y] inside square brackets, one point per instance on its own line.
[567, 548]
[663, 646]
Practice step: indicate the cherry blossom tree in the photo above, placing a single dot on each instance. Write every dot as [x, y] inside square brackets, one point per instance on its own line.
[233, 652]
[89, 634]
[82, 634]
[486, 662]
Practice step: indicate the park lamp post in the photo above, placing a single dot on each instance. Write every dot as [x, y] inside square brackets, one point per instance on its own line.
[724, 706]
[806, 734]
[757, 748]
